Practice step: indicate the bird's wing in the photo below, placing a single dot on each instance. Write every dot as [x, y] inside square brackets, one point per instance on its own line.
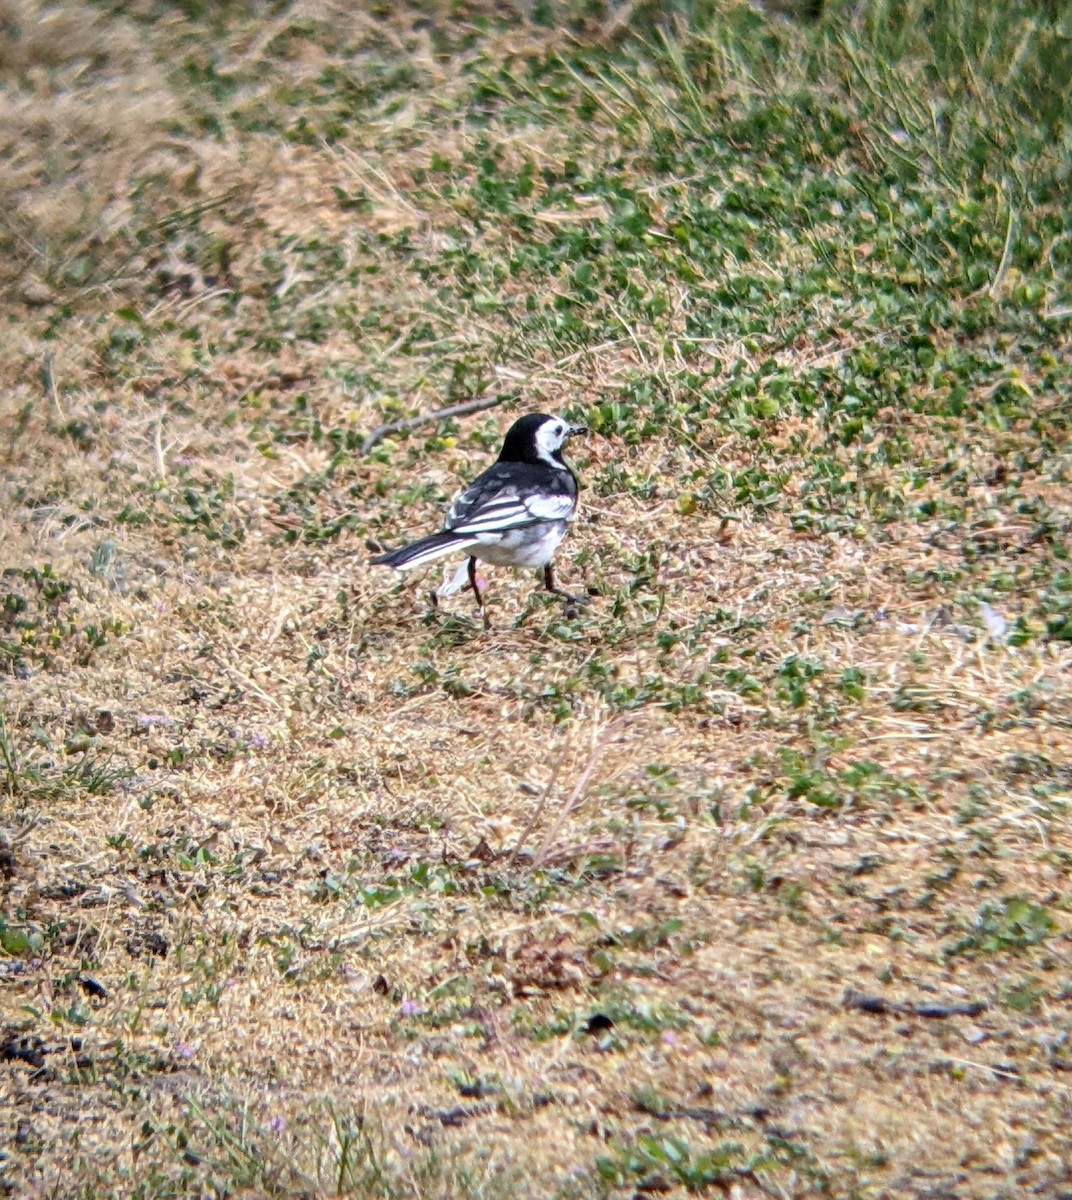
[559, 507]
[487, 508]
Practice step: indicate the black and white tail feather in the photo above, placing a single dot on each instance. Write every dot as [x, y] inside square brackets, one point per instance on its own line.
[425, 550]
[514, 514]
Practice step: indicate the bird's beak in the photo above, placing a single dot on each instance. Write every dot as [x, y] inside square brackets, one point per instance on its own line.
[574, 430]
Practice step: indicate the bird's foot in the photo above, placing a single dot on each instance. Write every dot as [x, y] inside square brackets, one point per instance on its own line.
[571, 601]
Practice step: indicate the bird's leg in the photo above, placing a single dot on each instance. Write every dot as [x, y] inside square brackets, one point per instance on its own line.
[549, 583]
[474, 583]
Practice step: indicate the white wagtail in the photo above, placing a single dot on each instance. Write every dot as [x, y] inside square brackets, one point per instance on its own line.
[512, 515]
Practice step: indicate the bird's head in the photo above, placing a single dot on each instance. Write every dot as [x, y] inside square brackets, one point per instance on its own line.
[538, 438]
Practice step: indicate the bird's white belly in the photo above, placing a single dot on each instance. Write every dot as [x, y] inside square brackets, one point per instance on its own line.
[529, 546]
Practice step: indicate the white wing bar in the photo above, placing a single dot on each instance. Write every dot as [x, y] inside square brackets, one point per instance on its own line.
[507, 512]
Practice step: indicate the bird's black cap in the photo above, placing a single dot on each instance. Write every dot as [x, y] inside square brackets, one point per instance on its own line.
[519, 445]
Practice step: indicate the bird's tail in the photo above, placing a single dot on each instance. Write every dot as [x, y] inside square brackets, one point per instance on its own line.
[426, 550]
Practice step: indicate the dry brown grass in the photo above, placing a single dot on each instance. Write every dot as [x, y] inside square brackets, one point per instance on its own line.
[274, 813]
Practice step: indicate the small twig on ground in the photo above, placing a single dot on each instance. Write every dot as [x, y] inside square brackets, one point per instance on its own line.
[540, 804]
[48, 375]
[1002, 1072]
[882, 1007]
[158, 447]
[456, 1116]
[709, 1116]
[576, 794]
[244, 681]
[1006, 254]
[23, 831]
[406, 424]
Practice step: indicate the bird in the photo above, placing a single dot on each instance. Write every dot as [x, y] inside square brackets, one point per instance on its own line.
[514, 514]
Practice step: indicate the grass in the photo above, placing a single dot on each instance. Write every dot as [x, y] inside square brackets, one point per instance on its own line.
[309, 891]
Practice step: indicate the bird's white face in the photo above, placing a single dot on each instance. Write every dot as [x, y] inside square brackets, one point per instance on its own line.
[552, 436]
